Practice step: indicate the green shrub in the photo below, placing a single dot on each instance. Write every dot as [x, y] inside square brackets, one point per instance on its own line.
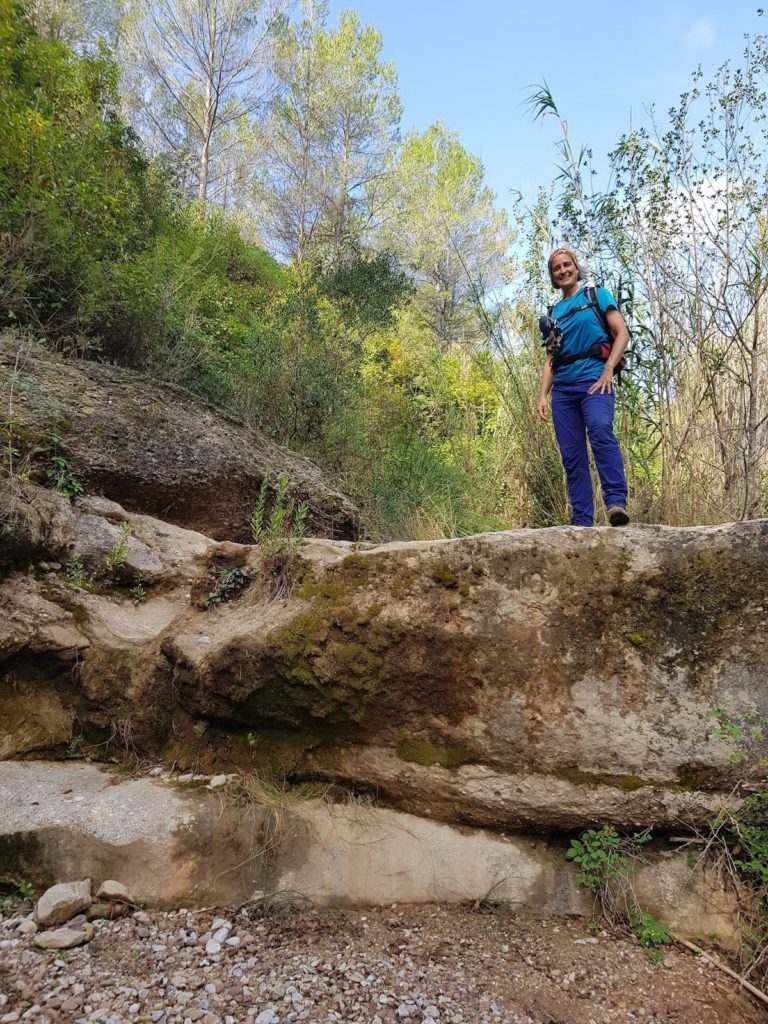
[74, 191]
[650, 933]
[606, 861]
[117, 556]
[599, 856]
[56, 468]
[278, 526]
[231, 584]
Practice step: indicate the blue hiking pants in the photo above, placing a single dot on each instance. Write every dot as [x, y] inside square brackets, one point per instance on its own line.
[576, 416]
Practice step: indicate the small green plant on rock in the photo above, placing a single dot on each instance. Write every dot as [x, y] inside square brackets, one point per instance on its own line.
[281, 531]
[231, 583]
[138, 590]
[75, 745]
[74, 573]
[58, 472]
[27, 891]
[14, 892]
[118, 553]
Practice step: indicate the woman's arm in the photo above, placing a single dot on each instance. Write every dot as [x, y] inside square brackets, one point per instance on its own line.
[620, 341]
[547, 376]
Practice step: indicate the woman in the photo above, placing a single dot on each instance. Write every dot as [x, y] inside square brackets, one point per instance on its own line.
[582, 392]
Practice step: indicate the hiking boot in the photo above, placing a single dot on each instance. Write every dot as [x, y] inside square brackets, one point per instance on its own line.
[617, 516]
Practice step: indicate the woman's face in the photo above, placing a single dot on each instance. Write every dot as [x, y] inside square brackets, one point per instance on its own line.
[564, 271]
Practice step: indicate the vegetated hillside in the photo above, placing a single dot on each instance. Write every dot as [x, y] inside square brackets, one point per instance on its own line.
[79, 425]
[105, 257]
[291, 259]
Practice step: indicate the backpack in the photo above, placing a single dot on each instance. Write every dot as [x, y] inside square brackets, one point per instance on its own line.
[598, 350]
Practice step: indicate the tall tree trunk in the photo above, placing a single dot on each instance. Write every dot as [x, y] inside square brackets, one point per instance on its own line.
[751, 489]
[209, 119]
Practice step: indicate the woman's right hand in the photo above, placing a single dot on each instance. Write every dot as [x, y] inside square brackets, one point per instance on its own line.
[543, 408]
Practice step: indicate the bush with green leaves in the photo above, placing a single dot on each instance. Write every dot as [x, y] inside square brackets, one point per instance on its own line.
[650, 933]
[600, 857]
[606, 861]
[75, 574]
[52, 457]
[230, 584]
[75, 193]
[738, 839]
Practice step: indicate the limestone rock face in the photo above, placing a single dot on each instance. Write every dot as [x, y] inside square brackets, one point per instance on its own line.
[33, 718]
[169, 847]
[181, 847]
[155, 448]
[79, 649]
[536, 679]
[533, 680]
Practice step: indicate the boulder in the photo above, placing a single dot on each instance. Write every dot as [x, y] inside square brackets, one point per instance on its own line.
[35, 523]
[155, 551]
[156, 448]
[30, 620]
[535, 679]
[110, 891]
[62, 902]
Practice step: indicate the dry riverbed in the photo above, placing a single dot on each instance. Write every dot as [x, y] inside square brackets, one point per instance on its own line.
[378, 966]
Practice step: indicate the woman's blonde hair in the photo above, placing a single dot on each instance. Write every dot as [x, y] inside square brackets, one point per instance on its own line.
[574, 257]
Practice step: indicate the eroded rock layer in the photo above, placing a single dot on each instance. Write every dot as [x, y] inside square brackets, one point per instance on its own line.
[534, 680]
[181, 841]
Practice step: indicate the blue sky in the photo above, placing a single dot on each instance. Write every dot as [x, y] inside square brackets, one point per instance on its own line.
[471, 63]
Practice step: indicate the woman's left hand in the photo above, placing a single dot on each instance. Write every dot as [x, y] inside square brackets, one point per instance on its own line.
[604, 383]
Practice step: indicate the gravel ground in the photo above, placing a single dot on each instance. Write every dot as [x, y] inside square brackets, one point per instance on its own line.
[380, 966]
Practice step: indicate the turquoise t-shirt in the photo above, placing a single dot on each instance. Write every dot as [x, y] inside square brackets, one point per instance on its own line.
[580, 331]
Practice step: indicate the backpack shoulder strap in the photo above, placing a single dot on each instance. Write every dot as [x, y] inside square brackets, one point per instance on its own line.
[591, 296]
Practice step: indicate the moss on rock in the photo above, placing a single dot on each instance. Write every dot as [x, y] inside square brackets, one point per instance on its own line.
[425, 753]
